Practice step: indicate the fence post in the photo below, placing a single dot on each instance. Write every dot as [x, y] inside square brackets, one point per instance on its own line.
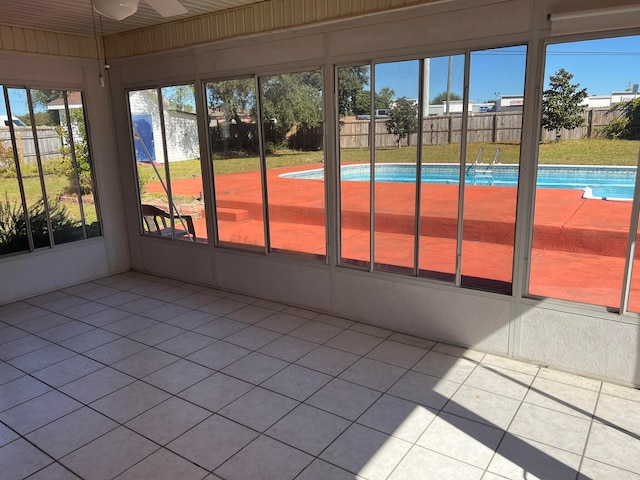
[494, 134]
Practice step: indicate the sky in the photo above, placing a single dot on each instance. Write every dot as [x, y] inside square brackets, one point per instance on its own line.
[601, 66]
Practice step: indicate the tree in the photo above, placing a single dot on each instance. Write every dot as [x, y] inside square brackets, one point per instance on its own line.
[440, 98]
[180, 97]
[290, 100]
[561, 103]
[363, 101]
[233, 97]
[351, 82]
[627, 125]
[403, 119]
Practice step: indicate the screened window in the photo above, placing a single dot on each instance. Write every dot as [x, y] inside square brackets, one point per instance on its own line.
[46, 178]
[586, 171]
[167, 155]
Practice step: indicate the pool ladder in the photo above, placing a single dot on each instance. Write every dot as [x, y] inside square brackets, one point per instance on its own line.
[478, 170]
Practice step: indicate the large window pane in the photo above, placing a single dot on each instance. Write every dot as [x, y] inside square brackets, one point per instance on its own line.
[441, 135]
[396, 152]
[13, 226]
[291, 114]
[354, 110]
[496, 87]
[167, 152]
[235, 147]
[586, 171]
[32, 179]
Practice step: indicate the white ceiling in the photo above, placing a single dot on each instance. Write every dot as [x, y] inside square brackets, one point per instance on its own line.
[75, 16]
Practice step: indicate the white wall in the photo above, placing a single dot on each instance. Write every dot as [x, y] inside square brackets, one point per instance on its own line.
[582, 340]
[30, 274]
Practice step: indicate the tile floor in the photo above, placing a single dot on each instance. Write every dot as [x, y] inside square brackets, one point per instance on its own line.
[135, 377]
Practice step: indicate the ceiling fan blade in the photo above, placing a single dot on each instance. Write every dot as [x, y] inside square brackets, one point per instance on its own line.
[167, 8]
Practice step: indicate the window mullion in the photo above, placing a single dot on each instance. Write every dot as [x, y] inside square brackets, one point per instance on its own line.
[463, 164]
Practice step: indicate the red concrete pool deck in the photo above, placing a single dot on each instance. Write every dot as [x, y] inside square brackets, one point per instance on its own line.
[578, 244]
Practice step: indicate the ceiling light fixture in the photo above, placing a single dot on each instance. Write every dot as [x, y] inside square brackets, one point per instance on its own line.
[116, 9]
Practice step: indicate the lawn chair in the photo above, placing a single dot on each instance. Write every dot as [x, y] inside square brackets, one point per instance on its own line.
[157, 222]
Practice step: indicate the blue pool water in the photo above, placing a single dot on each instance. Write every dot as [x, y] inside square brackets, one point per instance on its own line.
[596, 181]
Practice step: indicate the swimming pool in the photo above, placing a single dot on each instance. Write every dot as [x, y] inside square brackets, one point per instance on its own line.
[596, 181]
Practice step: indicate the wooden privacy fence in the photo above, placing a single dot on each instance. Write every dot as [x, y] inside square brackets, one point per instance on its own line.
[49, 142]
[496, 127]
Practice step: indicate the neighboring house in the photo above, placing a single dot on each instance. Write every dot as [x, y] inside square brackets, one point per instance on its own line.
[181, 129]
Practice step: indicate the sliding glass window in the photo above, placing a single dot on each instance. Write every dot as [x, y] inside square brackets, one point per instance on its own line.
[293, 134]
[587, 162]
[167, 154]
[46, 178]
[235, 152]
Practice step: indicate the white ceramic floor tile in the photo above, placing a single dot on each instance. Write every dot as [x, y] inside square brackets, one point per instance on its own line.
[141, 305]
[64, 331]
[130, 401]
[191, 319]
[255, 368]
[462, 439]
[10, 333]
[614, 446]
[320, 470]
[265, 459]
[423, 463]
[117, 299]
[115, 351]
[109, 455]
[371, 330]
[41, 358]
[459, 352]
[165, 312]
[220, 328]
[259, 409]
[20, 314]
[366, 452]
[218, 355]
[212, 442]
[621, 392]
[89, 340]
[592, 470]
[172, 294]
[129, 325]
[9, 372]
[510, 364]
[454, 369]
[569, 379]
[62, 304]
[55, 471]
[553, 428]
[500, 380]
[39, 411]
[252, 337]
[344, 398]
[44, 322]
[145, 362]
[250, 314]
[194, 300]
[281, 322]
[105, 317]
[354, 342]
[7, 435]
[156, 334]
[80, 311]
[335, 321]
[167, 421]
[216, 391]
[288, 348]
[424, 389]
[163, 465]
[562, 397]
[97, 384]
[67, 370]
[619, 411]
[373, 374]
[328, 360]
[222, 307]
[400, 418]
[21, 346]
[19, 459]
[308, 429]
[178, 376]
[519, 458]
[20, 390]
[316, 332]
[397, 354]
[296, 382]
[484, 407]
[71, 432]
